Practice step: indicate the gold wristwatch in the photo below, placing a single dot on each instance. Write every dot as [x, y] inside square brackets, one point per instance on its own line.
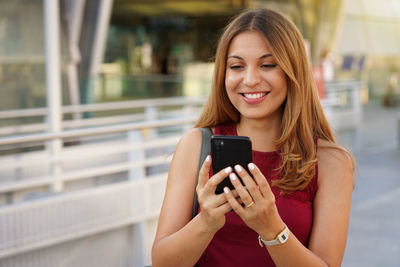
[281, 238]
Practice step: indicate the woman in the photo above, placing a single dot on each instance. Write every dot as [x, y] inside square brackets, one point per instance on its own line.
[296, 210]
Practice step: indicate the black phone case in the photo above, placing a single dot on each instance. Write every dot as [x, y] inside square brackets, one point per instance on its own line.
[228, 151]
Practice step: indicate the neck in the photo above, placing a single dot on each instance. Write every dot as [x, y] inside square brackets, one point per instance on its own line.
[262, 133]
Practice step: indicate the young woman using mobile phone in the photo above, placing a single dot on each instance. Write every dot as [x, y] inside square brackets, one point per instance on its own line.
[295, 212]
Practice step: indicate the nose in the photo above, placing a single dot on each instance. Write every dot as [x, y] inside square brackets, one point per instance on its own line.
[252, 77]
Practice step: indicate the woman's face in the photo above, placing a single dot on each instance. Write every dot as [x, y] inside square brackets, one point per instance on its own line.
[255, 84]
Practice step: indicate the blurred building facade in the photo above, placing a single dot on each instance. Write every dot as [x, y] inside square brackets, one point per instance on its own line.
[148, 48]
[155, 48]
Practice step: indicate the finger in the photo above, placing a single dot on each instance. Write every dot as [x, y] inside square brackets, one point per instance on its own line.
[225, 208]
[249, 182]
[219, 200]
[243, 193]
[204, 171]
[262, 182]
[217, 178]
[235, 193]
[233, 202]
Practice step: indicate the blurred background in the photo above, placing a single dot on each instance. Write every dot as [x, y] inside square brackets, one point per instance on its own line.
[94, 96]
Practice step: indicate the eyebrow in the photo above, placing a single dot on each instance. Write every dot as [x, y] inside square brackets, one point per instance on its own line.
[263, 56]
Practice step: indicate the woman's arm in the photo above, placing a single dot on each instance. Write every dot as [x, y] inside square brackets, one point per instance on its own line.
[331, 212]
[179, 240]
[332, 203]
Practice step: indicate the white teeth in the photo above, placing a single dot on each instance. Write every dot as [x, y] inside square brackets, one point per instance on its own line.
[254, 96]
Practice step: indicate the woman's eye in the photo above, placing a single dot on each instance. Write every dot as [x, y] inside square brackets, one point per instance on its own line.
[235, 67]
[269, 65]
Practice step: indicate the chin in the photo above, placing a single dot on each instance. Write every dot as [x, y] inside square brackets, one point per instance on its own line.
[254, 116]
[257, 115]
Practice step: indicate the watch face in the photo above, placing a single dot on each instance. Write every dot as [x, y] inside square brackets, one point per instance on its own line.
[283, 237]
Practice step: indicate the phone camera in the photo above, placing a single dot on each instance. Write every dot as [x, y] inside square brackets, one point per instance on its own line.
[220, 143]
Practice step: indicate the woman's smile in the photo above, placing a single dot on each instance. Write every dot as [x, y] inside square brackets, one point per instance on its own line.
[254, 98]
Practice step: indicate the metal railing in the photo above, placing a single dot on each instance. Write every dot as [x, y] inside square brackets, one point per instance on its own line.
[135, 111]
[108, 182]
[132, 153]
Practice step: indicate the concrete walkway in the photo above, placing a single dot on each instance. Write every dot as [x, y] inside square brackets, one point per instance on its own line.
[374, 233]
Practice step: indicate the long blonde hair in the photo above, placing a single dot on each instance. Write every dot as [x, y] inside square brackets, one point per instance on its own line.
[303, 117]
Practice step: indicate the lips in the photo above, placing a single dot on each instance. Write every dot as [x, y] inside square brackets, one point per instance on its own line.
[254, 98]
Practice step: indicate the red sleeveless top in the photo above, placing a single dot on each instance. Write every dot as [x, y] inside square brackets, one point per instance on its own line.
[235, 244]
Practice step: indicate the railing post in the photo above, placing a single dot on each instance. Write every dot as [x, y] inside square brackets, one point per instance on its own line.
[135, 137]
[150, 114]
[139, 229]
[53, 83]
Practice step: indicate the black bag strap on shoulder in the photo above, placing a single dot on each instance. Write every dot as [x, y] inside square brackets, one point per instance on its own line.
[206, 134]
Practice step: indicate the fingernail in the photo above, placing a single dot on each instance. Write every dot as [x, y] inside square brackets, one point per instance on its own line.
[238, 168]
[232, 176]
[252, 166]
[228, 170]
[226, 190]
[208, 158]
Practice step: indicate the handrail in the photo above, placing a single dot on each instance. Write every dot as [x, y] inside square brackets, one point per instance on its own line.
[68, 124]
[68, 156]
[83, 122]
[80, 174]
[97, 130]
[131, 104]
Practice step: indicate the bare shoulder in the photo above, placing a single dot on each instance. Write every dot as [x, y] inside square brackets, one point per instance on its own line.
[334, 161]
[188, 148]
[190, 142]
[190, 137]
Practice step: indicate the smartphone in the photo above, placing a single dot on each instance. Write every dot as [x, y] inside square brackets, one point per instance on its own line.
[228, 151]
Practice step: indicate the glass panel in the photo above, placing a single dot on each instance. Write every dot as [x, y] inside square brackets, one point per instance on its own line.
[22, 72]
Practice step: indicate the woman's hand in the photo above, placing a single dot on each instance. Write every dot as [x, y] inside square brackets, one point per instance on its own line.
[259, 211]
[213, 207]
